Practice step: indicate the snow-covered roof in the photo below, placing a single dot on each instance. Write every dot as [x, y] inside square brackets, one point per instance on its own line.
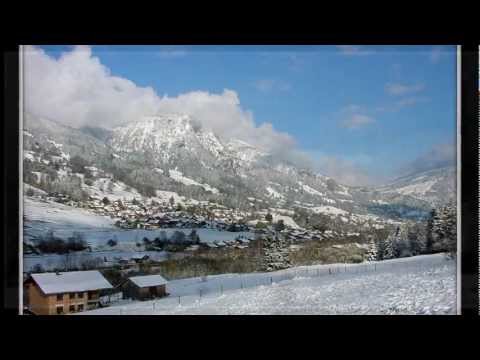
[148, 280]
[71, 281]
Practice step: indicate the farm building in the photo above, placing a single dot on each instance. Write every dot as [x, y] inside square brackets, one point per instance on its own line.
[145, 287]
[64, 292]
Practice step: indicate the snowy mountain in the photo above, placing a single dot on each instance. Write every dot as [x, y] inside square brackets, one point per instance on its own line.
[171, 139]
[172, 153]
[437, 186]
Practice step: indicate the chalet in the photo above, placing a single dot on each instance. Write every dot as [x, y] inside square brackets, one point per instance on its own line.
[145, 287]
[64, 292]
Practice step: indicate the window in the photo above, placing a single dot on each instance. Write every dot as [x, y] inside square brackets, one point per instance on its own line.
[59, 310]
[91, 295]
[71, 308]
[72, 295]
[80, 295]
[80, 307]
[59, 297]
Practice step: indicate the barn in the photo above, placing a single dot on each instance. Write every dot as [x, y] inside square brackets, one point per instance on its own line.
[145, 287]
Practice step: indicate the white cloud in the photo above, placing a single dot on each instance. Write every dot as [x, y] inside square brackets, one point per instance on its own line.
[356, 121]
[269, 85]
[410, 101]
[346, 171]
[354, 50]
[401, 103]
[296, 62]
[352, 108]
[436, 54]
[223, 114]
[439, 155]
[77, 90]
[171, 52]
[398, 89]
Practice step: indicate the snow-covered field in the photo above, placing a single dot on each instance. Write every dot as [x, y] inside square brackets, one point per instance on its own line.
[420, 188]
[54, 215]
[178, 176]
[114, 190]
[417, 285]
[330, 210]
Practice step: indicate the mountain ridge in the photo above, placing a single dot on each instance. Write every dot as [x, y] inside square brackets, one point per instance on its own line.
[171, 152]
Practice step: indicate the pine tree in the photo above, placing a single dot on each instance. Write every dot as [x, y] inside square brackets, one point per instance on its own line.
[444, 229]
[279, 225]
[400, 243]
[429, 230]
[416, 239]
[388, 249]
[275, 253]
[372, 252]
[269, 217]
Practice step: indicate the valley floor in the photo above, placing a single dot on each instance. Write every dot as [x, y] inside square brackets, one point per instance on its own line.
[417, 285]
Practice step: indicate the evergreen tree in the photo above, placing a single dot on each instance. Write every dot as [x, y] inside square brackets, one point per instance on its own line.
[389, 252]
[400, 243]
[381, 245]
[429, 232]
[275, 253]
[416, 239]
[269, 217]
[444, 229]
[279, 226]
[372, 253]
[385, 247]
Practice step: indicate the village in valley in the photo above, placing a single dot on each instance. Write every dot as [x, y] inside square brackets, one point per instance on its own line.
[268, 244]
[91, 242]
[159, 207]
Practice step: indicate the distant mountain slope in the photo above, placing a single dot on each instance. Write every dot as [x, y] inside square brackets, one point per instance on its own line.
[436, 186]
[173, 153]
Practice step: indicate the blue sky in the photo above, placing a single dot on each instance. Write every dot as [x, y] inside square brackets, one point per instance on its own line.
[374, 108]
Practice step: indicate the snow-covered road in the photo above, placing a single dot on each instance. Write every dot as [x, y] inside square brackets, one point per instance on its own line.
[417, 285]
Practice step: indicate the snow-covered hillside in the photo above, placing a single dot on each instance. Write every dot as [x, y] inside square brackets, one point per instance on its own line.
[417, 285]
[173, 153]
[64, 215]
[436, 186]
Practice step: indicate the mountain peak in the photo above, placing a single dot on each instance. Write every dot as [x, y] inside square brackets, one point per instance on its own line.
[164, 120]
